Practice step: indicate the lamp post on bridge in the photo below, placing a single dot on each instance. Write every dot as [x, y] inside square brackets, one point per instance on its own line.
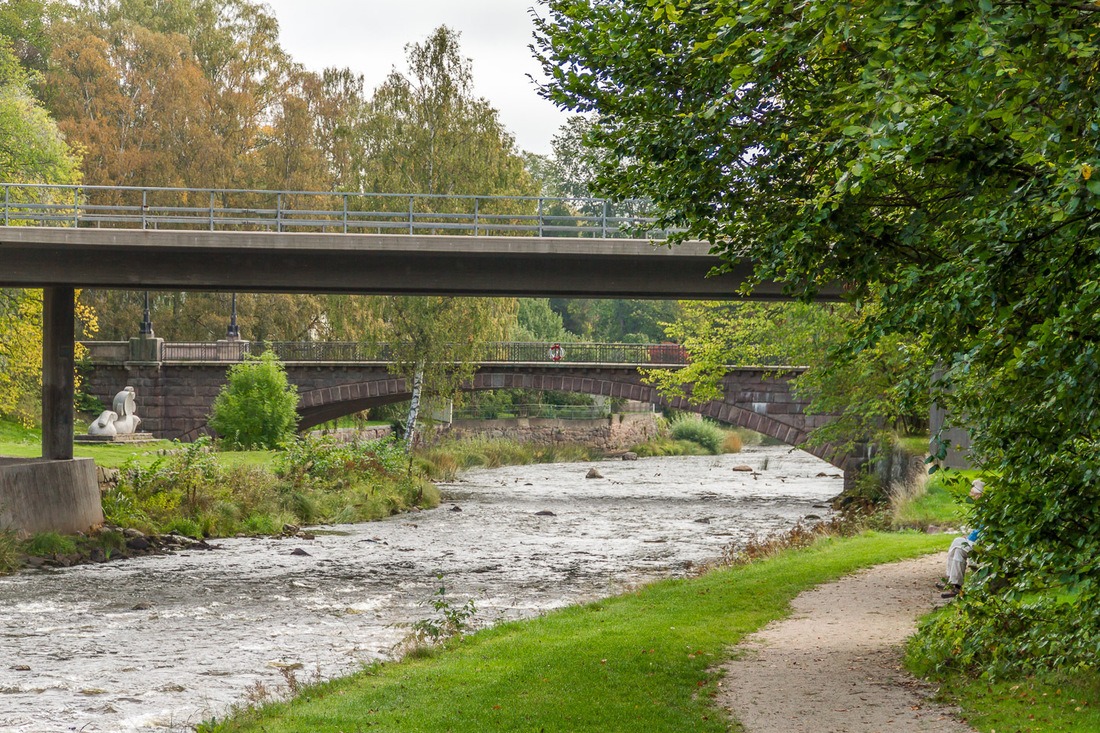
[233, 332]
[145, 330]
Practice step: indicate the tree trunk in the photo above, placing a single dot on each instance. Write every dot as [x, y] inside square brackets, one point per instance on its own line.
[414, 408]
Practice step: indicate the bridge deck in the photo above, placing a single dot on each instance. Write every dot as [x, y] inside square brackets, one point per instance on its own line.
[304, 262]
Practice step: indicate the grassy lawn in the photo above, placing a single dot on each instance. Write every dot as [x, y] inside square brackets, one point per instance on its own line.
[1050, 704]
[19, 442]
[641, 662]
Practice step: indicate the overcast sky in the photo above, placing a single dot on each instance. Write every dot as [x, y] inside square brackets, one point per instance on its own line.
[369, 36]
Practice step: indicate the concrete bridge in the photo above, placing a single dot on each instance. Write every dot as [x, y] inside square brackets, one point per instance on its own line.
[176, 383]
[61, 238]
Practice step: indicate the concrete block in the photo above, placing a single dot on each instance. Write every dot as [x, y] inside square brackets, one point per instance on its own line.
[39, 495]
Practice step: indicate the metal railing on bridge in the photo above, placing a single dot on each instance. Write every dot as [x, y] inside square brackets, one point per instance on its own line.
[207, 209]
[507, 352]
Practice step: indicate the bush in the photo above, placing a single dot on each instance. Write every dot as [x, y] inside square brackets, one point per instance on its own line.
[699, 431]
[732, 443]
[257, 408]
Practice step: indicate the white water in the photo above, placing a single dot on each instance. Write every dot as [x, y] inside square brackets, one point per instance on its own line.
[162, 643]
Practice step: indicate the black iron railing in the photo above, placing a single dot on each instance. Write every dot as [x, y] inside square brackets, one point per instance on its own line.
[512, 352]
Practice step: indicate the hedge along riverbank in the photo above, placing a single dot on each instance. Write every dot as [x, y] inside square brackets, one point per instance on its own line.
[641, 662]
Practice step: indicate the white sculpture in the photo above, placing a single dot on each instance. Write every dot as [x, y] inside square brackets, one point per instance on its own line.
[120, 420]
[127, 421]
[104, 424]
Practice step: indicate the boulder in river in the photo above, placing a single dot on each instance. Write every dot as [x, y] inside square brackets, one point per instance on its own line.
[630, 456]
[743, 468]
[299, 552]
[593, 473]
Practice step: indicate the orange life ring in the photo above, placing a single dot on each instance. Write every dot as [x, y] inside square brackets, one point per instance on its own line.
[556, 352]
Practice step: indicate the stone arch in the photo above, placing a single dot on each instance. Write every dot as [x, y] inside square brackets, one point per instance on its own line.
[330, 402]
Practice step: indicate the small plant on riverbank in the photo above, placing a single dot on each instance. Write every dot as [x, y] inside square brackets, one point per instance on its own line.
[665, 446]
[317, 480]
[698, 430]
[443, 461]
[449, 620]
[49, 544]
[933, 502]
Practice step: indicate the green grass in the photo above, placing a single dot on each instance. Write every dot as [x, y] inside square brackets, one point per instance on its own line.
[19, 442]
[915, 444]
[639, 662]
[935, 504]
[1053, 704]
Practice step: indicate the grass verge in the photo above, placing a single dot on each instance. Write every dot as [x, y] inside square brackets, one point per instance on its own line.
[1057, 703]
[643, 661]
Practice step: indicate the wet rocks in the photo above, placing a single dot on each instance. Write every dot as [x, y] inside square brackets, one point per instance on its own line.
[138, 543]
[545, 513]
[593, 473]
[743, 468]
[299, 552]
[630, 456]
[112, 543]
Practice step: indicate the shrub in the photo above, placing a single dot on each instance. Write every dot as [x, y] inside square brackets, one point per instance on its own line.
[699, 431]
[257, 408]
[732, 443]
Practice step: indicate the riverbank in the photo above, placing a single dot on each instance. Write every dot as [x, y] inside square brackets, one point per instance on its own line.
[645, 661]
[161, 643]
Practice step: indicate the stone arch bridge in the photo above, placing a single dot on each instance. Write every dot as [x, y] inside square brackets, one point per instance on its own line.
[176, 383]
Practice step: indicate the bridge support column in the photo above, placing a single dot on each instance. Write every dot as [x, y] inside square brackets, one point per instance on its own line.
[58, 372]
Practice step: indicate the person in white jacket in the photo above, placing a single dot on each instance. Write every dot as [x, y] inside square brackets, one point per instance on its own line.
[959, 552]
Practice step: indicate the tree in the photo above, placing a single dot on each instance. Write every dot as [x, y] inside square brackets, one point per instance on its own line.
[537, 321]
[436, 342]
[257, 407]
[426, 132]
[32, 150]
[940, 160]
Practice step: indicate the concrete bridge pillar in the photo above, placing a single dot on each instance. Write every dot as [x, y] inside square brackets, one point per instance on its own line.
[58, 372]
[54, 493]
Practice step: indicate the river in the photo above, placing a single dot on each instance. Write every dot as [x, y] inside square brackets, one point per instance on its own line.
[163, 643]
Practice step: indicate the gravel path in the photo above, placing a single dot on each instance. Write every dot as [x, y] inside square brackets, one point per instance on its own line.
[834, 666]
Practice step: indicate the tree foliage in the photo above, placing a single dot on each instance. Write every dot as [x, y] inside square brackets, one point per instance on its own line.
[32, 150]
[426, 131]
[436, 341]
[939, 159]
[257, 407]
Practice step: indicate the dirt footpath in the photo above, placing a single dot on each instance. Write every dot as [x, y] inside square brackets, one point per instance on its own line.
[834, 666]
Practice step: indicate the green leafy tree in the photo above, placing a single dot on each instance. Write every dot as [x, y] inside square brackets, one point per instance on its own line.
[536, 320]
[426, 132]
[257, 407]
[435, 343]
[32, 150]
[940, 160]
